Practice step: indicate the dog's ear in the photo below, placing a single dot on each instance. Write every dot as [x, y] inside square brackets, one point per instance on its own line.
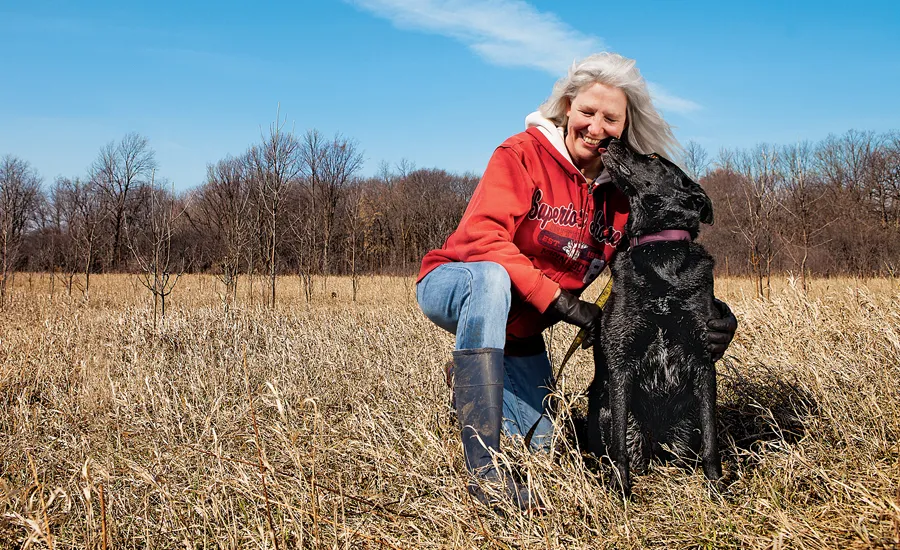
[704, 206]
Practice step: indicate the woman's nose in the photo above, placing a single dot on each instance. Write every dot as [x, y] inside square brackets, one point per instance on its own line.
[597, 128]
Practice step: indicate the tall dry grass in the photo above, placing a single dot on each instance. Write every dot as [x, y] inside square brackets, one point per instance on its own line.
[327, 425]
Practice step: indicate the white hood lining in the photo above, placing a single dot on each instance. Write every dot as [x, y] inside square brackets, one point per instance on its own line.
[556, 136]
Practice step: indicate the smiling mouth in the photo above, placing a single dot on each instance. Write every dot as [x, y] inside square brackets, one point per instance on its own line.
[600, 144]
[591, 141]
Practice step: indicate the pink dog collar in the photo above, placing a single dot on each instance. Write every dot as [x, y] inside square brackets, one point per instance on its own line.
[665, 235]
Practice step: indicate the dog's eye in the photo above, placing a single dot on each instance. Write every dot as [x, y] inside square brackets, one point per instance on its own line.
[653, 156]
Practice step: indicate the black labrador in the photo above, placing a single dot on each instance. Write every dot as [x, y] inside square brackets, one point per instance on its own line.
[655, 383]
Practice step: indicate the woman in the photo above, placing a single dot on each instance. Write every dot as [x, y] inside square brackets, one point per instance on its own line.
[542, 224]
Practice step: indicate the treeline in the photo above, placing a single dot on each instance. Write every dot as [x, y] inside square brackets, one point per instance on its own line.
[290, 204]
[297, 204]
[829, 208]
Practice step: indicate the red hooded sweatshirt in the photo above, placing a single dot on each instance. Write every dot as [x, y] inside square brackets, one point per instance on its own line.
[534, 213]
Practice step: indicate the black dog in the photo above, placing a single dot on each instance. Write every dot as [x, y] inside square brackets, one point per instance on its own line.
[660, 384]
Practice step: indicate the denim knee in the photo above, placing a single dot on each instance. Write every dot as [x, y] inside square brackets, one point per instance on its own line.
[491, 286]
[470, 300]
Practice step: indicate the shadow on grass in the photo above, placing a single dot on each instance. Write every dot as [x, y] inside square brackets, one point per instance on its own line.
[766, 407]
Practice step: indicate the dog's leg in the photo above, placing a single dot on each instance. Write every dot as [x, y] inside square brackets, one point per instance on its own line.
[598, 420]
[706, 397]
[619, 402]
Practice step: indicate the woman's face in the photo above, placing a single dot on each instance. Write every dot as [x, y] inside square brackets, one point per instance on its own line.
[595, 113]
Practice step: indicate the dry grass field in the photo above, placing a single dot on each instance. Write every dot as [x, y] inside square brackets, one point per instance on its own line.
[327, 425]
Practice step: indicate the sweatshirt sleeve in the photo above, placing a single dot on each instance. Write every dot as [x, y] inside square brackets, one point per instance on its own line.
[500, 202]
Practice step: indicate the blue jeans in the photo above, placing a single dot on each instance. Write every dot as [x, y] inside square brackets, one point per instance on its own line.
[471, 300]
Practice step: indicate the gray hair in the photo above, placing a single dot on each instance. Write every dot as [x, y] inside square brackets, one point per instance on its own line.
[646, 131]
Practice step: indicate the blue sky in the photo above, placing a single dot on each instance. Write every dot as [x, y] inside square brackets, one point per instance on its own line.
[439, 83]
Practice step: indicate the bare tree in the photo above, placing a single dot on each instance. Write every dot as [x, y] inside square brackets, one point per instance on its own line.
[844, 163]
[223, 208]
[696, 160]
[20, 191]
[119, 170]
[341, 162]
[151, 244]
[306, 225]
[80, 217]
[755, 217]
[842, 160]
[328, 168]
[370, 219]
[57, 247]
[803, 190]
[881, 181]
[423, 207]
[355, 219]
[276, 166]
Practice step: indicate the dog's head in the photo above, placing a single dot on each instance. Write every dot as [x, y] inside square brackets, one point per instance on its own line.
[660, 194]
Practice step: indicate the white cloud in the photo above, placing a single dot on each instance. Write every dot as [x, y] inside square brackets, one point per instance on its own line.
[505, 32]
[509, 33]
[668, 102]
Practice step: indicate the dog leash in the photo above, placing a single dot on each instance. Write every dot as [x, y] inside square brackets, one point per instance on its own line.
[579, 338]
[573, 347]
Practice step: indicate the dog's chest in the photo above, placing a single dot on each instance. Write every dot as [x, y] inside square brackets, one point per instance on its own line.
[656, 323]
[664, 370]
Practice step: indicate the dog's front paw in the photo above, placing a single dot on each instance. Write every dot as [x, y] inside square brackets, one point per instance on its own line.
[712, 469]
[716, 489]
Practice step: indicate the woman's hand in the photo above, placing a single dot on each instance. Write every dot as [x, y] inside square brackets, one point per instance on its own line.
[721, 330]
[569, 308]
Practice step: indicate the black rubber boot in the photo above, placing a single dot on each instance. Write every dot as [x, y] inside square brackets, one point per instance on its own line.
[478, 394]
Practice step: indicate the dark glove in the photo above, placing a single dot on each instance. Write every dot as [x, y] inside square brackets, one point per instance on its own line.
[569, 308]
[721, 330]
